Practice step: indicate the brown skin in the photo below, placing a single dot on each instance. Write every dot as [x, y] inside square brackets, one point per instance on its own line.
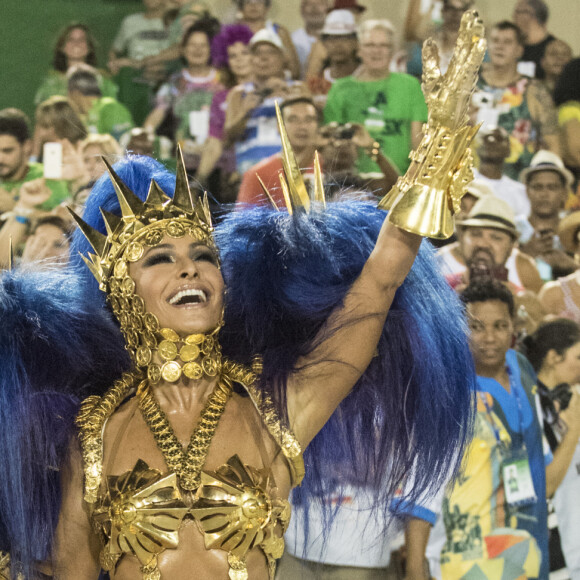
[493, 150]
[501, 249]
[547, 193]
[310, 402]
[491, 335]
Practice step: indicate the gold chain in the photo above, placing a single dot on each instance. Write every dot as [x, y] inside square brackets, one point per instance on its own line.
[188, 464]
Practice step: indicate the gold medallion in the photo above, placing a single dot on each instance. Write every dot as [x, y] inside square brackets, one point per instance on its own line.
[175, 230]
[123, 319]
[114, 284]
[194, 339]
[171, 371]
[143, 356]
[149, 339]
[134, 251]
[167, 350]
[169, 334]
[150, 321]
[127, 286]
[138, 305]
[189, 352]
[192, 370]
[153, 238]
[210, 366]
[120, 269]
[136, 322]
[132, 339]
[154, 373]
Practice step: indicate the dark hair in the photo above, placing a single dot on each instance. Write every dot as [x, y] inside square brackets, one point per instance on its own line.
[507, 25]
[207, 25]
[568, 84]
[294, 100]
[59, 61]
[15, 123]
[558, 335]
[486, 289]
[541, 10]
[85, 81]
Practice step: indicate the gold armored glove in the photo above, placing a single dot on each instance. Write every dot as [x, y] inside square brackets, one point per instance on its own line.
[424, 200]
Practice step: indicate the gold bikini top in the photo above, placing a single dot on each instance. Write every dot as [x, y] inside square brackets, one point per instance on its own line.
[140, 512]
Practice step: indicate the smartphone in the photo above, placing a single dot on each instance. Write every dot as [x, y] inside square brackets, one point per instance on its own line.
[52, 160]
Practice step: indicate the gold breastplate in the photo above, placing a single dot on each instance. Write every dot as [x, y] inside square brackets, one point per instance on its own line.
[140, 512]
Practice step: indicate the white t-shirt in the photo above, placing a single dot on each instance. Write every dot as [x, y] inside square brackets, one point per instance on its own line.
[511, 191]
[139, 37]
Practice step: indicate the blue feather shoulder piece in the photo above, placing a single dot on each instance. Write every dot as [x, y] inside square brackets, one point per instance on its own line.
[55, 349]
[412, 409]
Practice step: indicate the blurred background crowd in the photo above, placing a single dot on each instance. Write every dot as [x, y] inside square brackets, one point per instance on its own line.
[346, 74]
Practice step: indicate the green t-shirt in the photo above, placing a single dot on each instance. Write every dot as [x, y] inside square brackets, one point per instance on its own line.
[109, 116]
[385, 107]
[59, 187]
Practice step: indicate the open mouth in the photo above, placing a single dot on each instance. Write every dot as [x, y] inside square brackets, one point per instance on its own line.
[187, 297]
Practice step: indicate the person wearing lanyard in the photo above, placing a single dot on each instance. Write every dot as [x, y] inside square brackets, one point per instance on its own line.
[507, 388]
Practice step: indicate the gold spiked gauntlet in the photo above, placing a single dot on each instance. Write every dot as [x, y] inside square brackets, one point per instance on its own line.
[424, 200]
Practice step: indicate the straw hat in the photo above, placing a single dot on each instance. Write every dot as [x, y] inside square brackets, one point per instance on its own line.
[567, 231]
[491, 212]
[547, 161]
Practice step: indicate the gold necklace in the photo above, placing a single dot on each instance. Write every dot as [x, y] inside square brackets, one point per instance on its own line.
[189, 463]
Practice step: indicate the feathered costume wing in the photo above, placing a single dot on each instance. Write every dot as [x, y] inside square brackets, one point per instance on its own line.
[284, 274]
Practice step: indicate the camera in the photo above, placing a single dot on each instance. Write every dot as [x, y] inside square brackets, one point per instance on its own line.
[344, 132]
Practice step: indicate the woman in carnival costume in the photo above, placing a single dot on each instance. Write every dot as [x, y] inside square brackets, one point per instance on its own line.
[183, 468]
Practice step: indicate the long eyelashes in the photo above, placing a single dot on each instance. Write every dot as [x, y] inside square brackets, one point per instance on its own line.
[160, 258]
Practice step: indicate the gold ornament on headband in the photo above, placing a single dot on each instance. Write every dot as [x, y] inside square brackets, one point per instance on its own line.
[425, 199]
[291, 181]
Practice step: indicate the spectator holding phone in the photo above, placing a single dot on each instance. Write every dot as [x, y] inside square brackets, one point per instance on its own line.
[251, 116]
[547, 184]
[16, 170]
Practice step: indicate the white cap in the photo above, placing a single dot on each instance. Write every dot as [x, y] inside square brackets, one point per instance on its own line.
[266, 35]
[339, 22]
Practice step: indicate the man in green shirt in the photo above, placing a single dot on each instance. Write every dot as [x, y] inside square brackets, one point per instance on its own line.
[15, 168]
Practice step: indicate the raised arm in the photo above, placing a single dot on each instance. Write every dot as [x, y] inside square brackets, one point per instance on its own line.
[421, 204]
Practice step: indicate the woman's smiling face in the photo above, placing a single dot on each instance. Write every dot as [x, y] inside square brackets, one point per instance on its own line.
[181, 284]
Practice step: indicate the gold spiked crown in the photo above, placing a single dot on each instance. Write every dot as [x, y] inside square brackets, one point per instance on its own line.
[143, 224]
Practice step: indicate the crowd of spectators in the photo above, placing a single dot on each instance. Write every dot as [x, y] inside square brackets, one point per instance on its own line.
[349, 87]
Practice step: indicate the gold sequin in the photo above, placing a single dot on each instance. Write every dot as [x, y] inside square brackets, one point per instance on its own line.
[195, 338]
